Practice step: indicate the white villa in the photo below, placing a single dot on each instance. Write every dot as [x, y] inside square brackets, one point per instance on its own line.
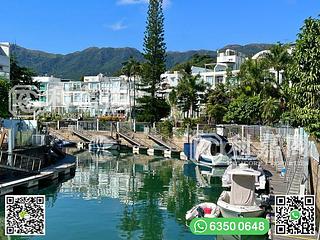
[96, 95]
[5, 59]
[214, 73]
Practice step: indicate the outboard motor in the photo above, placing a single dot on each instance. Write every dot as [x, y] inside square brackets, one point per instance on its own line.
[200, 212]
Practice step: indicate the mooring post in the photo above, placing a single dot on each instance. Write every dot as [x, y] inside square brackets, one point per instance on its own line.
[10, 146]
[97, 124]
[118, 126]
[134, 125]
[197, 129]
[58, 125]
[77, 125]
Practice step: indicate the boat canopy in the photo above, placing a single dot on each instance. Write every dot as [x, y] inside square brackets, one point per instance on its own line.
[242, 190]
[204, 146]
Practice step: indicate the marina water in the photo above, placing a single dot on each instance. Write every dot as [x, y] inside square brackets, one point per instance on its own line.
[124, 197]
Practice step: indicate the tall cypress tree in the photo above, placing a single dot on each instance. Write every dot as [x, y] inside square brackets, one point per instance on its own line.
[152, 107]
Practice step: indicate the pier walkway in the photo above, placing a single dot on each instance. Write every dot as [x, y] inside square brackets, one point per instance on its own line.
[63, 167]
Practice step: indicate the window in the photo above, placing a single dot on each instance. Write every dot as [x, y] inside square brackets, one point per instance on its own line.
[209, 79]
[43, 87]
[122, 97]
[219, 79]
[67, 86]
[94, 86]
[43, 99]
[67, 99]
[77, 97]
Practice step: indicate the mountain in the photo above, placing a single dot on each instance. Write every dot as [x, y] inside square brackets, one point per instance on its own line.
[93, 60]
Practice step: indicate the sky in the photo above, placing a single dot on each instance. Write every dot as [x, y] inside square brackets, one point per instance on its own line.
[65, 26]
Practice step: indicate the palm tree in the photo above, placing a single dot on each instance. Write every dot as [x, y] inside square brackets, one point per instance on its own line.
[190, 93]
[278, 58]
[131, 68]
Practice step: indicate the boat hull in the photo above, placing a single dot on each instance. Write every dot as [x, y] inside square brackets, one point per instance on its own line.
[230, 210]
[232, 213]
[214, 161]
[103, 147]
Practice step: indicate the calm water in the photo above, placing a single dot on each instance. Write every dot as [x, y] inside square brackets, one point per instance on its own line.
[124, 197]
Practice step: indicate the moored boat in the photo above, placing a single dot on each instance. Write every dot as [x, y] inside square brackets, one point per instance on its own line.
[241, 201]
[206, 209]
[211, 150]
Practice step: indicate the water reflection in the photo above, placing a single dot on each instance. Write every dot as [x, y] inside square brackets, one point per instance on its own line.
[130, 196]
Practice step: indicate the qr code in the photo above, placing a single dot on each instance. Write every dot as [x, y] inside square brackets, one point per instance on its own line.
[295, 215]
[25, 215]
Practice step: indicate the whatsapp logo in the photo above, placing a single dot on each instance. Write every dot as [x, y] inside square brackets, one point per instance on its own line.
[200, 226]
[295, 215]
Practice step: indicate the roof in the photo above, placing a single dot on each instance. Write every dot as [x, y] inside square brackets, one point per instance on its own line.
[2, 53]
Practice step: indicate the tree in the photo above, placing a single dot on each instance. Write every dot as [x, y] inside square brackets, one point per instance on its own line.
[244, 110]
[271, 110]
[278, 58]
[131, 68]
[20, 75]
[4, 92]
[154, 66]
[304, 74]
[190, 94]
[217, 104]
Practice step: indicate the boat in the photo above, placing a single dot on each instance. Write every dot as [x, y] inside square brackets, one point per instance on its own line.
[211, 150]
[250, 162]
[241, 200]
[103, 143]
[63, 143]
[206, 209]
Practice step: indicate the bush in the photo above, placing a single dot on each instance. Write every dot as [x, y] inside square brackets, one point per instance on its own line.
[109, 118]
[165, 128]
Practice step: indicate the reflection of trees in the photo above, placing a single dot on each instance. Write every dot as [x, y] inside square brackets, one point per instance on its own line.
[184, 195]
[145, 213]
[150, 215]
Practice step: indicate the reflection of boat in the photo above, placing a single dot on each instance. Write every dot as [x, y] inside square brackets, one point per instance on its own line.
[206, 209]
[103, 143]
[211, 150]
[260, 181]
[241, 200]
[63, 143]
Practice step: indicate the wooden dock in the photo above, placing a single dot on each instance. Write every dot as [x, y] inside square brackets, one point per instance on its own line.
[65, 166]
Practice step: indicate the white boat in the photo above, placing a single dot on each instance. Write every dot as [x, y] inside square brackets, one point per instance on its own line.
[260, 181]
[211, 150]
[102, 143]
[206, 209]
[241, 201]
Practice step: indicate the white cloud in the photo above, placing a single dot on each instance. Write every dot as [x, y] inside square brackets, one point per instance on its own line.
[166, 3]
[118, 26]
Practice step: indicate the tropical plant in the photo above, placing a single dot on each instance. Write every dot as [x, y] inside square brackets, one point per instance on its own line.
[304, 75]
[278, 58]
[190, 94]
[217, 104]
[4, 97]
[244, 110]
[131, 69]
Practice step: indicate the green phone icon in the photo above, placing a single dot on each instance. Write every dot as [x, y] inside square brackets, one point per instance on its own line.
[295, 215]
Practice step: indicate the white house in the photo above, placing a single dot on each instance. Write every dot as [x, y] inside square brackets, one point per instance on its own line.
[97, 95]
[216, 73]
[5, 60]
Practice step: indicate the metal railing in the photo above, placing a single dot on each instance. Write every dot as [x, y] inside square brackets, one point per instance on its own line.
[20, 162]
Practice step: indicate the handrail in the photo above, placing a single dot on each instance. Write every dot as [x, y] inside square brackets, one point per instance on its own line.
[170, 143]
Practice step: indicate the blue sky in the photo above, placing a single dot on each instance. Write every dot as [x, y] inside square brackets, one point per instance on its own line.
[64, 26]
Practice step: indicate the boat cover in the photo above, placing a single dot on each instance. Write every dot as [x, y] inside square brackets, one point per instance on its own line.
[242, 190]
[204, 147]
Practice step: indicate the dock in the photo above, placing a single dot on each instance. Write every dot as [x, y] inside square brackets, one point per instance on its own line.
[66, 166]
